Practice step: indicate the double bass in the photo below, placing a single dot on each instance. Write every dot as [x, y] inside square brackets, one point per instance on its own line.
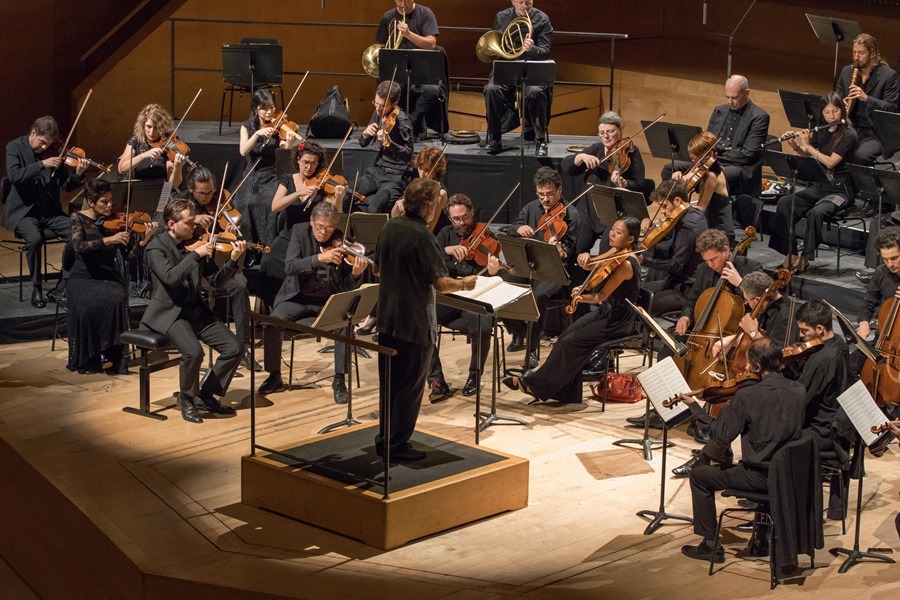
[882, 379]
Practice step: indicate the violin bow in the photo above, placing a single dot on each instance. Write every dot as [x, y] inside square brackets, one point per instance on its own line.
[390, 87]
[181, 120]
[574, 200]
[240, 183]
[308, 200]
[212, 233]
[72, 129]
[283, 116]
[631, 138]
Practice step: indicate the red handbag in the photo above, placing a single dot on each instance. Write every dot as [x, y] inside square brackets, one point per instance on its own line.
[620, 388]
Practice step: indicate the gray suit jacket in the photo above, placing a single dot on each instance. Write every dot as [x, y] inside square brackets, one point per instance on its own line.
[301, 264]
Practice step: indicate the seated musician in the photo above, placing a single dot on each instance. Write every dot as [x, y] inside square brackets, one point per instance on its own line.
[418, 28]
[833, 148]
[712, 189]
[144, 157]
[315, 270]
[672, 273]
[430, 163]
[201, 184]
[767, 415]
[877, 87]
[548, 184]
[559, 378]
[177, 310]
[391, 130]
[771, 322]
[500, 100]
[462, 216]
[884, 284]
[742, 127]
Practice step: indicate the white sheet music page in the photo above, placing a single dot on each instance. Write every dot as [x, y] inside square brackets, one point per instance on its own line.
[661, 382]
[859, 405]
[493, 291]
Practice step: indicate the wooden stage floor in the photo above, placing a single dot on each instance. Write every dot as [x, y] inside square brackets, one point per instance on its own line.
[125, 507]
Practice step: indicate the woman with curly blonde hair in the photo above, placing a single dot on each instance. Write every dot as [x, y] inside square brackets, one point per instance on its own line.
[153, 124]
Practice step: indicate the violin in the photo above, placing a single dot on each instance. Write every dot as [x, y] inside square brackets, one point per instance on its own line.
[883, 379]
[353, 251]
[136, 221]
[173, 147]
[554, 225]
[327, 182]
[598, 275]
[223, 242]
[481, 245]
[73, 155]
[696, 173]
[659, 232]
[284, 127]
[619, 160]
[801, 350]
[388, 122]
[228, 214]
[879, 429]
[719, 392]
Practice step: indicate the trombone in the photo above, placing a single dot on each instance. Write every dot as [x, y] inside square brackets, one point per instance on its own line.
[509, 45]
[370, 56]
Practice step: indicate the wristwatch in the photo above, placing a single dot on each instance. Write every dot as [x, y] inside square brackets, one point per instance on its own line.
[753, 335]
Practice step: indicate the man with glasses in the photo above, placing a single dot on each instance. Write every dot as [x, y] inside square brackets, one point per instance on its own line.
[391, 130]
[315, 270]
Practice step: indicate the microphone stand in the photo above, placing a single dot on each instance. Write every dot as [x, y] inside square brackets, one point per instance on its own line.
[731, 37]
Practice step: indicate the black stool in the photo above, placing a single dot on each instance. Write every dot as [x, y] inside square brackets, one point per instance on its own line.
[148, 341]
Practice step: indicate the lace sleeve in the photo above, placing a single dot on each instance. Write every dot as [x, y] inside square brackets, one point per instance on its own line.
[86, 237]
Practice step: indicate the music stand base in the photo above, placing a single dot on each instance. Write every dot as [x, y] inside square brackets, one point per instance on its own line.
[856, 555]
[658, 518]
[646, 445]
[491, 418]
[345, 423]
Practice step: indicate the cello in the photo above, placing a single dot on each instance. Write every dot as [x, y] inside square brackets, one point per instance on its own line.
[882, 379]
[717, 313]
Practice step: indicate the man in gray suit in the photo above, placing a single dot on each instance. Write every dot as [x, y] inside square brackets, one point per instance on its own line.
[177, 310]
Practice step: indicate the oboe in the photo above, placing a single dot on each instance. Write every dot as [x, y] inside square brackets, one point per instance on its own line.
[848, 102]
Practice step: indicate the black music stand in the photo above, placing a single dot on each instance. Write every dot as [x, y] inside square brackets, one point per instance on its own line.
[670, 140]
[252, 63]
[519, 74]
[364, 227]
[886, 126]
[611, 204]
[877, 184]
[840, 32]
[801, 109]
[421, 67]
[145, 195]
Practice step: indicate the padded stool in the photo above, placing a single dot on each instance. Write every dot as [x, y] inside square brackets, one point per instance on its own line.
[148, 341]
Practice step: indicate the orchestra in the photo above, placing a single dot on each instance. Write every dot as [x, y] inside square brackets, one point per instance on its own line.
[737, 321]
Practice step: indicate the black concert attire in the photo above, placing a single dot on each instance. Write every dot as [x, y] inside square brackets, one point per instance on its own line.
[409, 260]
[873, 256]
[32, 210]
[500, 100]
[427, 102]
[457, 319]
[718, 210]
[677, 264]
[530, 214]
[254, 199]
[883, 91]
[766, 415]
[177, 311]
[559, 378]
[96, 298]
[155, 168]
[818, 201]
[882, 286]
[383, 184]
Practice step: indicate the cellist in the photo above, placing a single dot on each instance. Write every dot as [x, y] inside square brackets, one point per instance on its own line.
[884, 284]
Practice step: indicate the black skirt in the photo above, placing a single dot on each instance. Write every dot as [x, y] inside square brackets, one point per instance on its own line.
[96, 319]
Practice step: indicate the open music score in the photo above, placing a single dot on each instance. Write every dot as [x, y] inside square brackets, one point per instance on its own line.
[859, 405]
[662, 382]
[493, 292]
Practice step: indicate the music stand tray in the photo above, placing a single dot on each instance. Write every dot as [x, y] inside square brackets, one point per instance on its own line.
[801, 108]
[422, 67]
[670, 140]
[876, 184]
[524, 72]
[145, 195]
[785, 165]
[887, 129]
[611, 204]
[534, 259]
[840, 32]
[364, 228]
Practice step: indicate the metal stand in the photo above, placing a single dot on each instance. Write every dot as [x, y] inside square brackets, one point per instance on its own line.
[491, 417]
[661, 515]
[646, 443]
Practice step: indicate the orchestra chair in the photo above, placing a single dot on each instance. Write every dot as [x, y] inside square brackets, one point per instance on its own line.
[832, 464]
[840, 219]
[293, 336]
[790, 463]
[498, 337]
[147, 341]
[264, 57]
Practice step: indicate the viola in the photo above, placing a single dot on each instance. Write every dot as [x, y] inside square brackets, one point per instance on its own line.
[388, 122]
[553, 224]
[719, 392]
[224, 242]
[173, 147]
[228, 214]
[660, 231]
[137, 222]
[883, 379]
[327, 182]
[879, 429]
[353, 251]
[620, 159]
[73, 155]
[696, 173]
[801, 350]
[598, 275]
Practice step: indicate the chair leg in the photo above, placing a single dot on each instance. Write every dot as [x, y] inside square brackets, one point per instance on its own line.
[839, 250]
[222, 110]
[712, 559]
[21, 272]
[291, 366]
[230, 106]
[55, 329]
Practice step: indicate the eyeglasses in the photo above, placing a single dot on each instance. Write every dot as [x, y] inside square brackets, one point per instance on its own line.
[320, 226]
[379, 104]
[462, 219]
[204, 194]
[314, 161]
[547, 194]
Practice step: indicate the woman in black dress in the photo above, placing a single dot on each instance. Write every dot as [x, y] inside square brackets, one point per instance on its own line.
[712, 189]
[559, 378]
[140, 158]
[96, 291]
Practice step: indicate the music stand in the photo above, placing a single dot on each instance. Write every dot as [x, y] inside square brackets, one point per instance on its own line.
[343, 310]
[249, 64]
[886, 126]
[840, 32]
[421, 67]
[364, 227]
[670, 140]
[145, 195]
[876, 183]
[611, 204]
[801, 109]
[519, 74]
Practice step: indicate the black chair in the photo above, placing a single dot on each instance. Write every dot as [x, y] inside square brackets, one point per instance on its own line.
[254, 64]
[147, 341]
[840, 219]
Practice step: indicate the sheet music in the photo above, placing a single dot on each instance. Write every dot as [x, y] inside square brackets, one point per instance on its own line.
[164, 196]
[663, 381]
[493, 291]
[859, 405]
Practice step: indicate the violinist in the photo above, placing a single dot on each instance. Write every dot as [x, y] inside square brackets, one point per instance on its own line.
[315, 269]
[767, 415]
[672, 270]
[832, 148]
[460, 263]
[712, 188]
[430, 163]
[96, 289]
[32, 210]
[201, 184]
[559, 378]
[178, 311]
[144, 157]
[391, 129]
[884, 284]
[876, 87]
[548, 185]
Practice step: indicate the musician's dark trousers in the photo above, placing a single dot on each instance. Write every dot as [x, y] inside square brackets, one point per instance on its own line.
[542, 291]
[868, 149]
[707, 480]
[184, 334]
[460, 321]
[809, 203]
[37, 230]
[427, 107]
[303, 313]
[407, 384]
[665, 300]
[239, 299]
[500, 99]
[382, 187]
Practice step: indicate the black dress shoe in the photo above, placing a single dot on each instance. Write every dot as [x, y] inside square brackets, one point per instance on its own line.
[541, 149]
[703, 552]
[57, 294]
[247, 361]
[341, 395]
[215, 407]
[494, 146]
[273, 383]
[189, 412]
[532, 362]
[471, 386]
[409, 454]
[685, 469]
[699, 435]
[439, 391]
[656, 421]
[517, 344]
[862, 277]
[37, 298]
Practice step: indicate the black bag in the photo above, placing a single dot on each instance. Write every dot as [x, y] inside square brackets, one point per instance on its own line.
[332, 117]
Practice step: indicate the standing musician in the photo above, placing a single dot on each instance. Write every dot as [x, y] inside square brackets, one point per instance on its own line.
[500, 100]
[712, 189]
[177, 310]
[742, 127]
[315, 269]
[548, 185]
[884, 284]
[391, 129]
[418, 28]
[411, 267]
[144, 155]
[201, 184]
[559, 378]
[462, 218]
[679, 262]
[876, 87]
[767, 416]
[32, 210]
[833, 148]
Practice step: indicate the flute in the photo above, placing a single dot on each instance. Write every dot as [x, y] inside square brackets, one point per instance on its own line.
[792, 135]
